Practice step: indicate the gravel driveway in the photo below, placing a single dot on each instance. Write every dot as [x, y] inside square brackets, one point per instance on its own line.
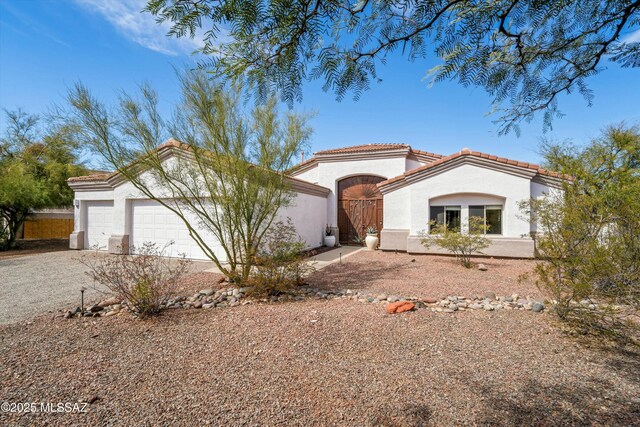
[34, 284]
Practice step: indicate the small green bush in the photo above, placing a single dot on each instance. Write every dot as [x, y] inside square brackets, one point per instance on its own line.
[281, 263]
[462, 244]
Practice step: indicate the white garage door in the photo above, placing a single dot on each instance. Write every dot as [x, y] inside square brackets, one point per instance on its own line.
[152, 222]
[99, 225]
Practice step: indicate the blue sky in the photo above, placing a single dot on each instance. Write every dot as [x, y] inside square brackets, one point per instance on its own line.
[45, 46]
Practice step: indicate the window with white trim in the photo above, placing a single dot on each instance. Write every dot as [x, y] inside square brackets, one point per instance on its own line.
[491, 215]
[449, 215]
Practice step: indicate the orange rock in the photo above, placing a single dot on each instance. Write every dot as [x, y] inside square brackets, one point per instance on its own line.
[399, 307]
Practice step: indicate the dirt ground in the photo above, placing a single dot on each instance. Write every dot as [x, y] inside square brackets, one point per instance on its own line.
[31, 247]
[326, 362]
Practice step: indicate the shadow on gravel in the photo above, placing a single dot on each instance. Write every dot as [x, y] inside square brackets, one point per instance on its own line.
[589, 403]
[352, 276]
[626, 361]
[409, 415]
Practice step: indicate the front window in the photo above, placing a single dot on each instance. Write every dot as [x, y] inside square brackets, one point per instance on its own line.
[491, 216]
[449, 215]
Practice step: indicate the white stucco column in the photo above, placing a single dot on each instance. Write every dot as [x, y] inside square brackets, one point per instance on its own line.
[119, 239]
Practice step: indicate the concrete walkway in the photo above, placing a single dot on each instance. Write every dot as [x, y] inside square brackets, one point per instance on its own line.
[335, 255]
[321, 260]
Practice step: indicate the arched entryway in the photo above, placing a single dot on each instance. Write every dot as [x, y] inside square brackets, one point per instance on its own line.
[359, 207]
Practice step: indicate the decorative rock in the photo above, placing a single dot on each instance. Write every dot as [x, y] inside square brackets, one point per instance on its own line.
[490, 295]
[71, 313]
[95, 308]
[381, 297]
[537, 307]
[488, 307]
[206, 292]
[399, 307]
[109, 301]
[482, 267]
[392, 299]
[452, 307]
[430, 300]
[210, 305]
[475, 306]
[112, 313]
[197, 304]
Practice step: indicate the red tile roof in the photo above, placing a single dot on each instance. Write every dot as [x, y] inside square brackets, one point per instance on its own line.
[467, 152]
[92, 177]
[364, 148]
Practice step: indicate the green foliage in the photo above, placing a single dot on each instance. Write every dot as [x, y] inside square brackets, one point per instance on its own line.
[281, 262]
[33, 171]
[461, 243]
[146, 280]
[590, 233]
[226, 180]
[524, 53]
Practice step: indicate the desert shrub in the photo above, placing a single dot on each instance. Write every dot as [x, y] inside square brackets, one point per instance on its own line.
[461, 243]
[146, 280]
[281, 263]
[589, 235]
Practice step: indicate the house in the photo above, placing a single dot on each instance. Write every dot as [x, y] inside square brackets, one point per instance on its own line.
[392, 187]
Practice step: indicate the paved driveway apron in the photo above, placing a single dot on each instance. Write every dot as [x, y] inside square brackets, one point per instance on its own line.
[35, 284]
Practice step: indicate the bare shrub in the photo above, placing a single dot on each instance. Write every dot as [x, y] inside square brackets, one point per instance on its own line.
[146, 280]
[461, 243]
[281, 263]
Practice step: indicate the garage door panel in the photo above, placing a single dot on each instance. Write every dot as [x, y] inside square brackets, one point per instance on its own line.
[152, 222]
[99, 224]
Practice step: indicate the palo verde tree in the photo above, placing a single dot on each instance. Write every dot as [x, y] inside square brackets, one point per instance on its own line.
[225, 180]
[34, 167]
[590, 233]
[524, 53]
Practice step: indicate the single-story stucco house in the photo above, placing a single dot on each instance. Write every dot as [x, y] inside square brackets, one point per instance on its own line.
[392, 187]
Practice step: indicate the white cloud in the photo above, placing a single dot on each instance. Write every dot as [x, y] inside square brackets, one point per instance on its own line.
[141, 28]
[633, 37]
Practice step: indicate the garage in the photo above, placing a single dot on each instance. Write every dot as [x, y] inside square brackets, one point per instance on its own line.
[99, 224]
[152, 222]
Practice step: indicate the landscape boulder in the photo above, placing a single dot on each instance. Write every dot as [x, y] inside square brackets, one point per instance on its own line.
[109, 301]
[399, 307]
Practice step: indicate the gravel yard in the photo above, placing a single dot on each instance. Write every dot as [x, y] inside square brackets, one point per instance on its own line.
[324, 362]
[427, 276]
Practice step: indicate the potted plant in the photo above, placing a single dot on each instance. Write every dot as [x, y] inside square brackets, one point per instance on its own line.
[372, 238]
[329, 238]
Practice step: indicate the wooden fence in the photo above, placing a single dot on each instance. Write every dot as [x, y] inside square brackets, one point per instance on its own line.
[48, 228]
